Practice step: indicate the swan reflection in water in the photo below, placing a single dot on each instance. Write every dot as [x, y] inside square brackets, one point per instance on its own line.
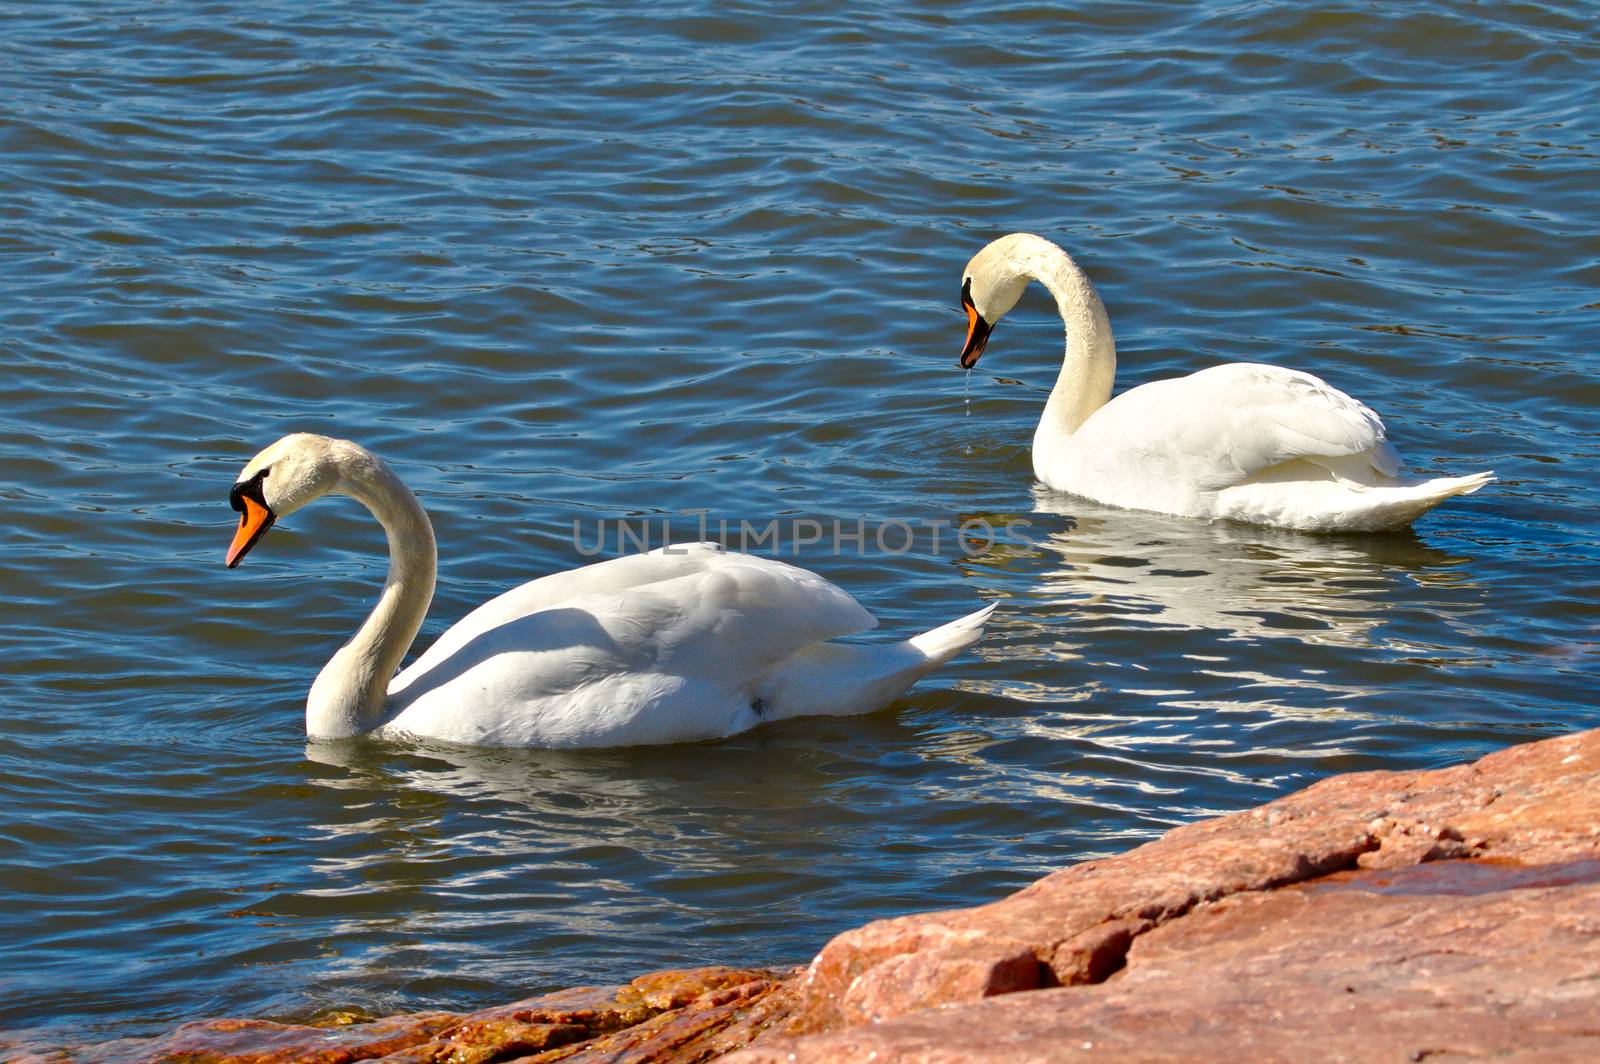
[554, 868]
[1244, 581]
[595, 859]
[1280, 613]
[467, 870]
[713, 805]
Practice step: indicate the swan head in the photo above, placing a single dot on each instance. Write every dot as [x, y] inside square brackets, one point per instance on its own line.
[993, 282]
[280, 480]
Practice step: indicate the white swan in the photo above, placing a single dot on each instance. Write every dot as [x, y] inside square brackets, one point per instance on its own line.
[688, 642]
[1242, 441]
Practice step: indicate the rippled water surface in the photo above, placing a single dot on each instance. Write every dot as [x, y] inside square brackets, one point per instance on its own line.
[565, 264]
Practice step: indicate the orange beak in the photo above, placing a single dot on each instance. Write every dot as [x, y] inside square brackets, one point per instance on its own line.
[254, 520]
[977, 336]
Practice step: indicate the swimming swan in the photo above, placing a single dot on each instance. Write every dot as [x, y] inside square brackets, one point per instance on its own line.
[1243, 441]
[688, 642]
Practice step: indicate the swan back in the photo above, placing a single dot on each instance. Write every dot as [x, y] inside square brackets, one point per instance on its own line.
[699, 603]
[648, 648]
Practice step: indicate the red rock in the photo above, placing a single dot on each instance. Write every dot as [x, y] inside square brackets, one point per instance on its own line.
[732, 1011]
[263, 1042]
[661, 1016]
[1416, 964]
[931, 977]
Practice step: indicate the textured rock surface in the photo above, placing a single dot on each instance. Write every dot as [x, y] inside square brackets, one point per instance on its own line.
[688, 1015]
[1363, 966]
[1433, 916]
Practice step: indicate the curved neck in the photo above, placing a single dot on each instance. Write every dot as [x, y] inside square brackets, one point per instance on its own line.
[1089, 366]
[350, 694]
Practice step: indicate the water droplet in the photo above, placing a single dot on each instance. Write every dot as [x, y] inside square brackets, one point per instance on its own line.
[966, 398]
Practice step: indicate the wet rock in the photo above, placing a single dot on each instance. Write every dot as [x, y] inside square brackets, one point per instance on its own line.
[265, 1042]
[693, 1014]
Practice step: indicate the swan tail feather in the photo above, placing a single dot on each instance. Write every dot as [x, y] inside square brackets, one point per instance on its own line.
[1402, 505]
[1448, 486]
[941, 644]
[839, 679]
[1336, 505]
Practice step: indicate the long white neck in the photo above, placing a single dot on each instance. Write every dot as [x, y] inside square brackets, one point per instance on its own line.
[1089, 365]
[350, 694]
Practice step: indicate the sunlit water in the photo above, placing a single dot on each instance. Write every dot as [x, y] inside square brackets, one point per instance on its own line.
[559, 265]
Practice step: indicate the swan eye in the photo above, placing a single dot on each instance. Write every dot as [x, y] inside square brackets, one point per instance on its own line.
[966, 292]
[248, 489]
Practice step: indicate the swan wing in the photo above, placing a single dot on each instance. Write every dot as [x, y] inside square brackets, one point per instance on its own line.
[1231, 422]
[625, 659]
[686, 602]
[734, 620]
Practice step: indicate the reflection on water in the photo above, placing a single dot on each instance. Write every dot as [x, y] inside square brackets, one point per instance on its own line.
[1193, 636]
[1120, 568]
[678, 851]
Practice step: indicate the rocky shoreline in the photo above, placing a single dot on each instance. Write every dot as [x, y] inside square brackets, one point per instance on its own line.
[1399, 916]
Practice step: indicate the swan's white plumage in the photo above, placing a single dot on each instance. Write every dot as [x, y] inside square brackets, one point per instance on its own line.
[649, 648]
[1242, 441]
[687, 642]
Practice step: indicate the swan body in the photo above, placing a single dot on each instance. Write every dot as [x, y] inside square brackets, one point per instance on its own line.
[1243, 441]
[687, 642]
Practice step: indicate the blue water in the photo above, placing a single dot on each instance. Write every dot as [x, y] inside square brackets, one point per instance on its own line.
[567, 265]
